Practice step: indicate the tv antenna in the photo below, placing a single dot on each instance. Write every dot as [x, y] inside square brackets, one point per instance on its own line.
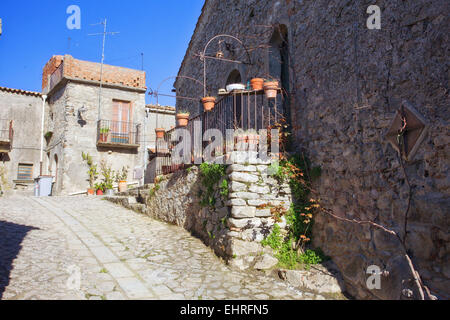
[104, 33]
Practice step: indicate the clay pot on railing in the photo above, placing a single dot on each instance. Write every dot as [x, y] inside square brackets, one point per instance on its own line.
[257, 83]
[122, 186]
[182, 119]
[270, 89]
[90, 191]
[160, 133]
[99, 192]
[208, 103]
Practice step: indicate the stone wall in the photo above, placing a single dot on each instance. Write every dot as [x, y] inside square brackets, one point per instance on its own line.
[25, 110]
[236, 224]
[346, 82]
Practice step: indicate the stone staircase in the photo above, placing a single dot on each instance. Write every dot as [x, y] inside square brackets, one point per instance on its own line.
[134, 199]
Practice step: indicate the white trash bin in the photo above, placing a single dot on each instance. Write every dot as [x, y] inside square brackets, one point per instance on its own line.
[44, 186]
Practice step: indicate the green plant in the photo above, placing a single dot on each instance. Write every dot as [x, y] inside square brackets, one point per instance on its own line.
[92, 169]
[290, 250]
[122, 175]
[153, 190]
[182, 111]
[210, 175]
[104, 130]
[100, 186]
[224, 189]
[108, 175]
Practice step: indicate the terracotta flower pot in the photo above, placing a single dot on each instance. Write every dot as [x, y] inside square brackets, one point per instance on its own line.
[90, 191]
[160, 132]
[99, 192]
[270, 89]
[182, 119]
[208, 103]
[257, 83]
[103, 137]
[122, 186]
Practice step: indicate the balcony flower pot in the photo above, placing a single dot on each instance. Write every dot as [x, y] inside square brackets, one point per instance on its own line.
[182, 119]
[208, 103]
[90, 191]
[257, 83]
[109, 192]
[99, 192]
[104, 134]
[270, 89]
[122, 186]
[160, 133]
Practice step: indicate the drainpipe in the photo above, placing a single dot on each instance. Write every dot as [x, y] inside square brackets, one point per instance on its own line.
[44, 97]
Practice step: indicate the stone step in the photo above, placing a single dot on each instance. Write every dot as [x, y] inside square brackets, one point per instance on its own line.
[127, 202]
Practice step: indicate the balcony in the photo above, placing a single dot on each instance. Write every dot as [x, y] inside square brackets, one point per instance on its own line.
[6, 135]
[118, 134]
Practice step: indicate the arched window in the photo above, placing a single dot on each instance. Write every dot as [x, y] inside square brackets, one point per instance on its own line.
[234, 77]
[279, 62]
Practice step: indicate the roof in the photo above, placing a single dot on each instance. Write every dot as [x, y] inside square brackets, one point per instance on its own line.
[159, 107]
[20, 91]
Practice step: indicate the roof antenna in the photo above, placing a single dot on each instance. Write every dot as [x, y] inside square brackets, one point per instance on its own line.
[104, 33]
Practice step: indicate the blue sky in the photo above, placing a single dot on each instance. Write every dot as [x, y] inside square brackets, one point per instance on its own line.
[33, 31]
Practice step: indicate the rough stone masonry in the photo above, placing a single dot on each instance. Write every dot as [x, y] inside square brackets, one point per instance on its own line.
[345, 84]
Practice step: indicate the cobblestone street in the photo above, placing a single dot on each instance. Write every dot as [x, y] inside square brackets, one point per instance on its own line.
[119, 254]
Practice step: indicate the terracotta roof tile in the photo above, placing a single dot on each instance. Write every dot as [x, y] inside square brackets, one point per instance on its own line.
[20, 91]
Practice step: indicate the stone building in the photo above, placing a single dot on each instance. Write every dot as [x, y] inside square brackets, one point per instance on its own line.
[345, 83]
[111, 123]
[20, 132]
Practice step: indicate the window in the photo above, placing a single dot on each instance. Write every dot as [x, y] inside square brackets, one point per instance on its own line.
[25, 172]
[121, 122]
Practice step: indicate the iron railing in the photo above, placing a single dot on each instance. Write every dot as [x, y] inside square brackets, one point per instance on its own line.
[120, 133]
[245, 110]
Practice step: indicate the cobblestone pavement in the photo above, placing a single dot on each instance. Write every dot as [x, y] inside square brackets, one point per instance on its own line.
[46, 242]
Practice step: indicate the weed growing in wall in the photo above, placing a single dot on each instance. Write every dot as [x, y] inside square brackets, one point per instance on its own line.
[290, 249]
[210, 175]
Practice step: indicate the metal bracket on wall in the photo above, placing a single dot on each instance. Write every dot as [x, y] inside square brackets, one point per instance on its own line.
[413, 128]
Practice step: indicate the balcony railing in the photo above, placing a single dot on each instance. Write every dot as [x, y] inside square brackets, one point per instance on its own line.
[245, 110]
[118, 134]
[6, 135]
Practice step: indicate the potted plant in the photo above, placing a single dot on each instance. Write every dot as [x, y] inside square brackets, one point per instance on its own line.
[121, 178]
[92, 172]
[108, 178]
[271, 88]
[160, 133]
[182, 118]
[100, 187]
[257, 83]
[208, 103]
[104, 134]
